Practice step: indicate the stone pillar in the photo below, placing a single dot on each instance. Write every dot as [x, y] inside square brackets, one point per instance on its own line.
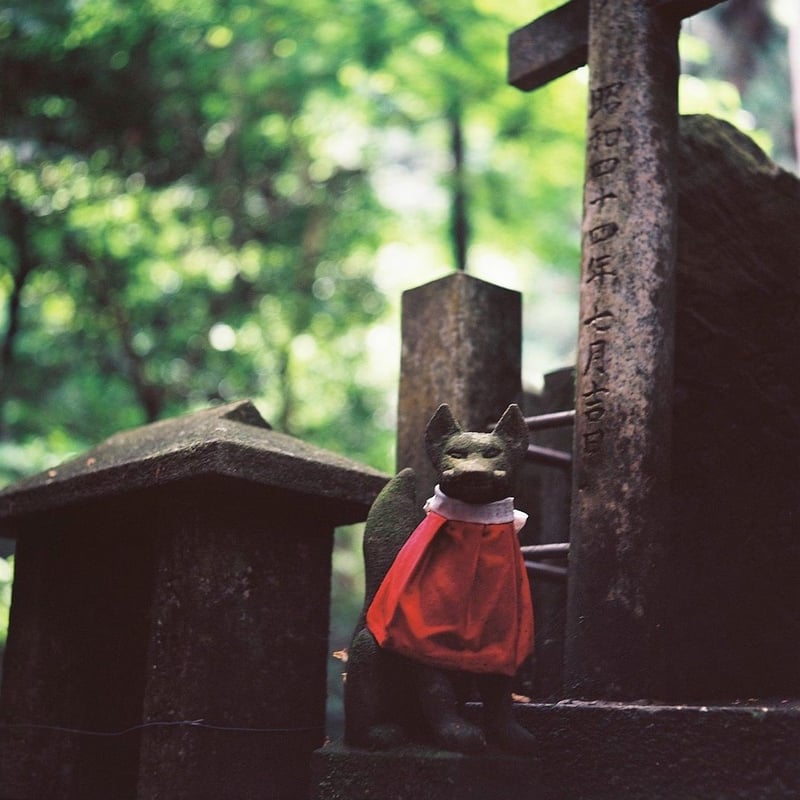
[76, 651]
[168, 635]
[462, 346]
[620, 528]
[550, 597]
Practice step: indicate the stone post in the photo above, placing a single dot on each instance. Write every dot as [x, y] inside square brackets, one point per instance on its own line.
[168, 635]
[550, 597]
[462, 346]
[622, 469]
[616, 647]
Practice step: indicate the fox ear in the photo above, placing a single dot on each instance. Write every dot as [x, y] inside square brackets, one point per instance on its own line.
[514, 432]
[442, 425]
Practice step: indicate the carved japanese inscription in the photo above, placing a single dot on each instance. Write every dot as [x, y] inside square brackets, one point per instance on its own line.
[601, 259]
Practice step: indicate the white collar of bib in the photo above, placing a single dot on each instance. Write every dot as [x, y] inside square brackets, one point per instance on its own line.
[484, 513]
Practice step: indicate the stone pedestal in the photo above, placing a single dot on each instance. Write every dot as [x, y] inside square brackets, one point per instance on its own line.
[591, 751]
[168, 635]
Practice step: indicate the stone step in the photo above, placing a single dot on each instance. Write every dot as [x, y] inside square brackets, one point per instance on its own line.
[591, 751]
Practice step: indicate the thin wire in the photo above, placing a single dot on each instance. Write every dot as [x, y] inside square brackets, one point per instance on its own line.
[188, 723]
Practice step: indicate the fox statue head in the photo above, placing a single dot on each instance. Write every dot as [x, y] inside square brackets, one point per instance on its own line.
[476, 467]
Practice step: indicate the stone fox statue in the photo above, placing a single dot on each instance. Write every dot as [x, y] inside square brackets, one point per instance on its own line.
[447, 604]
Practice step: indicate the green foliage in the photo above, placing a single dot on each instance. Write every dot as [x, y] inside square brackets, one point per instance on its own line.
[347, 595]
[6, 580]
[195, 198]
[179, 213]
[736, 60]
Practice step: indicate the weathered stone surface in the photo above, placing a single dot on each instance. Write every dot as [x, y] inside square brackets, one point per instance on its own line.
[592, 751]
[614, 645]
[418, 773]
[558, 42]
[238, 639]
[76, 654]
[550, 46]
[730, 554]
[735, 549]
[231, 441]
[172, 589]
[461, 346]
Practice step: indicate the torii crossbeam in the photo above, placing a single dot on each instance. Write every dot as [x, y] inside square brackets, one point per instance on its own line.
[621, 490]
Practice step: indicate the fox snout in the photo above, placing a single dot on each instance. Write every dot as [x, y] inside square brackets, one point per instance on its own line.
[469, 472]
[475, 481]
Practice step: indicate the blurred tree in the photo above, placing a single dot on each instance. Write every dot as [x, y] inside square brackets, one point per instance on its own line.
[192, 199]
[745, 45]
[202, 202]
[180, 212]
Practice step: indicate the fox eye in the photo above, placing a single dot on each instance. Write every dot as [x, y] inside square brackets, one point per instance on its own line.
[457, 453]
[491, 452]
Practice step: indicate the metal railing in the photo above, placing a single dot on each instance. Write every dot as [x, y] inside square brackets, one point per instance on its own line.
[535, 555]
[547, 456]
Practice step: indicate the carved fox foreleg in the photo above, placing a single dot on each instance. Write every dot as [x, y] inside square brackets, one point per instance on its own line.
[498, 713]
[440, 705]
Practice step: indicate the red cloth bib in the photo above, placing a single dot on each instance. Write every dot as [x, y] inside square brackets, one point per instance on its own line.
[457, 597]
